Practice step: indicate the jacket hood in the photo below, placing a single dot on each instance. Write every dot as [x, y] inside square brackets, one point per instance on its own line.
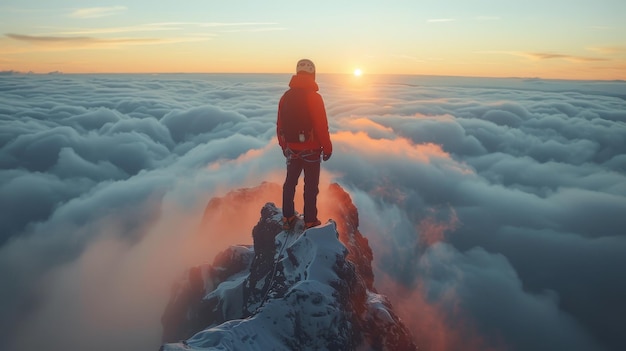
[303, 81]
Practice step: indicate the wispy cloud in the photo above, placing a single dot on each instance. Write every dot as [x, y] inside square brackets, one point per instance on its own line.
[149, 27]
[95, 12]
[59, 42]
[540, 56]
[172, 26]
[440, 20]
[551, 56]
[77, 40]
[608, 50]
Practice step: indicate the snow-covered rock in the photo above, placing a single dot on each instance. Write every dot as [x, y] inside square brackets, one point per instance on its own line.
[299, 290]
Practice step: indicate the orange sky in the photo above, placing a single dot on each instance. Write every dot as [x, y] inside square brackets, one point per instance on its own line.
[563, 39]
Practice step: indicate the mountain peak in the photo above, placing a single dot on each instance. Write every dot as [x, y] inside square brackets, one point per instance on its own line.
[292, 290]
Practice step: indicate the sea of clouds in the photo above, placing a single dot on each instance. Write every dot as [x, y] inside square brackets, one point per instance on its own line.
[495, 207]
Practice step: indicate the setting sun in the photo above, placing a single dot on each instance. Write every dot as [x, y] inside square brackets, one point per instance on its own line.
[358, 72]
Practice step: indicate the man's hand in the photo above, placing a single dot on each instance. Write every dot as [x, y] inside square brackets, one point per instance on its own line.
[325, 157]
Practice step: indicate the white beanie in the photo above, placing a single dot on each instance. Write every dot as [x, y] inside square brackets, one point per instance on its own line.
[305, 65]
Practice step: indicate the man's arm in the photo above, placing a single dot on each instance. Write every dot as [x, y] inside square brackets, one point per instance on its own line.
[279, 134]
[320, 122]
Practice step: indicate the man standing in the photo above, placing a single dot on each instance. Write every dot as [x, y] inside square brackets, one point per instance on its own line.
[302, 130]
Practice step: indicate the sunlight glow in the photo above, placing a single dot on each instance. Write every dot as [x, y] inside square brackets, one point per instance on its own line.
[156, 39]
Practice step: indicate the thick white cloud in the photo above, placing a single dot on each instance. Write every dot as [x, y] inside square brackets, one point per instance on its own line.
[506, 194]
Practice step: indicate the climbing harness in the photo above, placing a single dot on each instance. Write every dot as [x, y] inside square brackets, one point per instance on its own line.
[304, 155]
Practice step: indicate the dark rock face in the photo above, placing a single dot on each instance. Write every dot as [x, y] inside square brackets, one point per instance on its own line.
[310, 290]
[359, 249]
[190, 309]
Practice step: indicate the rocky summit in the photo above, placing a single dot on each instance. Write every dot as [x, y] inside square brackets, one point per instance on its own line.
[292, 290]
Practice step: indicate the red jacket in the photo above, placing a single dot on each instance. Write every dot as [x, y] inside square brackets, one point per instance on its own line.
[321, 137]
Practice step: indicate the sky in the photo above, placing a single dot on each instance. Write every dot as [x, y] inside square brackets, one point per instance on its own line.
[576, 39]
[493, 206]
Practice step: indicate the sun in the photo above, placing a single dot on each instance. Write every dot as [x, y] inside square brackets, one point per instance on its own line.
[358, 72]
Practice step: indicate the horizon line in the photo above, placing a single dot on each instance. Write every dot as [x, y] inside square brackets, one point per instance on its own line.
[15, 72]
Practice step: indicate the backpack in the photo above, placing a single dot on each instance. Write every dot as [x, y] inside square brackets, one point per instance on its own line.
[296, 119]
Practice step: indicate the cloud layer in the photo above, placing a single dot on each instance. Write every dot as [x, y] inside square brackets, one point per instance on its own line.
[499, 202]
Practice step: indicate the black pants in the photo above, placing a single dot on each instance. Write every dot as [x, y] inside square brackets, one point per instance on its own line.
[311, 167]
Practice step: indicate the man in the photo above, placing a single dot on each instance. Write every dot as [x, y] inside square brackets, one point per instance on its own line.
[302, 130]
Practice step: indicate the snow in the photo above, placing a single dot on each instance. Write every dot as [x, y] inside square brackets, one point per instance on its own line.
[308, 306]
[313, 255]
[231, 293]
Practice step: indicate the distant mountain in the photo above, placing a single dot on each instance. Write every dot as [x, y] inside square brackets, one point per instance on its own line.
[299, 290]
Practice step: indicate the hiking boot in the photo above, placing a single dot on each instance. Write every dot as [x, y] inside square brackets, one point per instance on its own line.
[288, 223]
[312, 224]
